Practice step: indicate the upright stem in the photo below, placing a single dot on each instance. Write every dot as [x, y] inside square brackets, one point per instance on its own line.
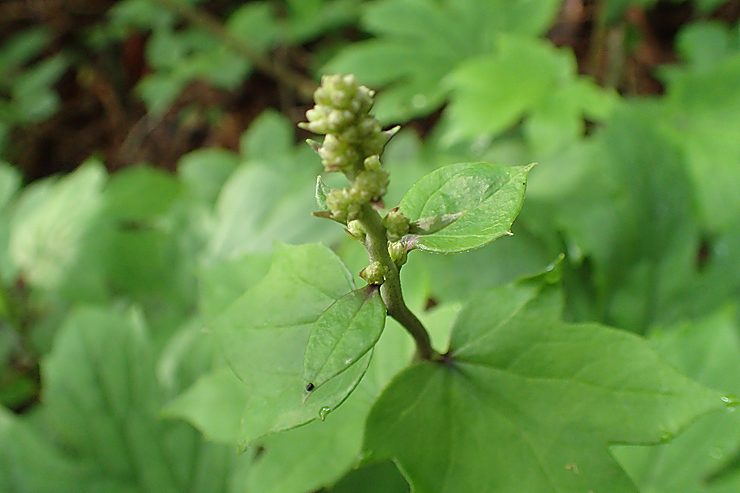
[376, 245]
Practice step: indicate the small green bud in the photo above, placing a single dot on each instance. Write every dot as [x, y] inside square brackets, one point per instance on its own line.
[343, 205]
[372, 163]
[398, 252]
[375, 142]
[396, 224]
[336, 154]
[374, 273]
[355, 229]
[371, 185]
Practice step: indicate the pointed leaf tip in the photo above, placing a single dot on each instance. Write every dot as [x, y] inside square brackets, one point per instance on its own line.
[343, 334]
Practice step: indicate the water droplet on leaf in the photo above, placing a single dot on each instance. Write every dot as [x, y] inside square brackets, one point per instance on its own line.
[731, 401]
[665, 435]
[418, 101]
[716, 453]
[324, 412]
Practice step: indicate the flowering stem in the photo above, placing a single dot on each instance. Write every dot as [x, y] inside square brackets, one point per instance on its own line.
[376, 245]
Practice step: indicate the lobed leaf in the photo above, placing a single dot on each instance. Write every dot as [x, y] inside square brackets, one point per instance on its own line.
[488, 196]
[525, 402]
[419, 42]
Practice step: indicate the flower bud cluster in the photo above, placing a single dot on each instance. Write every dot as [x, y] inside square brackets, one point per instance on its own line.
[396, 224]
[341, 113]
[398, 252]
[368, 186]
[374, 273]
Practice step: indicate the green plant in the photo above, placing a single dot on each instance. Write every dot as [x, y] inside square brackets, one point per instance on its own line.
[307, 345]
[152, 324]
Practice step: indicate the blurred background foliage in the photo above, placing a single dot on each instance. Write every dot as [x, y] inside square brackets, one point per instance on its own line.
[150, 158]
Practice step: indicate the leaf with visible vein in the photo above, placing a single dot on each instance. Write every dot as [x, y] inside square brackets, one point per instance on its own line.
[525, 402]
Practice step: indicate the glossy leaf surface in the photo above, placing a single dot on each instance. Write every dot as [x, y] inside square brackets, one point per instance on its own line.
[344, 333]
[488, 195]
[264, 336]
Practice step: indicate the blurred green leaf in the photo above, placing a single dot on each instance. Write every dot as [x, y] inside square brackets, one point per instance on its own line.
[529, 78]
[51, 224]
[418, 43]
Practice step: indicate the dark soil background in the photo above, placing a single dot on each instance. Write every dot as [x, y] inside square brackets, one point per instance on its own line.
[101, 114]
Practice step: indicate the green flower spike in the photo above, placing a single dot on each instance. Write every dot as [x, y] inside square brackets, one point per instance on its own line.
[343, 204]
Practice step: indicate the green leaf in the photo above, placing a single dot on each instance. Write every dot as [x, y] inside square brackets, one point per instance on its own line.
[268, 138]
[419, 42]
[432, 224]
[524, 78]
[489, 195]
[102, 404]
[306, 458]
[603, 193]
[701, 116]
[707, 349]
[214, 405]
[140, 193]
[52, 223]
[30, 463]
[345, 332]
[525, 402]
[322, 190]
[264, 335]
[204, 171]
[374, 478]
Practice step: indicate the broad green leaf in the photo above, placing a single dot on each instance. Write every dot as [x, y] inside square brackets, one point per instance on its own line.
[214, 405]
[317, 454]
[488, 195]
[264, 335]
[345, 332]
[523, 78]
[707, 349]
[267, 199]
[31, 463]
[101, 404]
[702, 118]
[222, 282]
[374, 478]
[98, 384]
[525, 402]
[140, 193]
[603, 193]
[419, 42]
[51, 224]
[704, 44]
[268, 138]
[204, 171]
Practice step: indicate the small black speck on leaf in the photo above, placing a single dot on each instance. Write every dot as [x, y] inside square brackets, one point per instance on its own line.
[310, 387]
